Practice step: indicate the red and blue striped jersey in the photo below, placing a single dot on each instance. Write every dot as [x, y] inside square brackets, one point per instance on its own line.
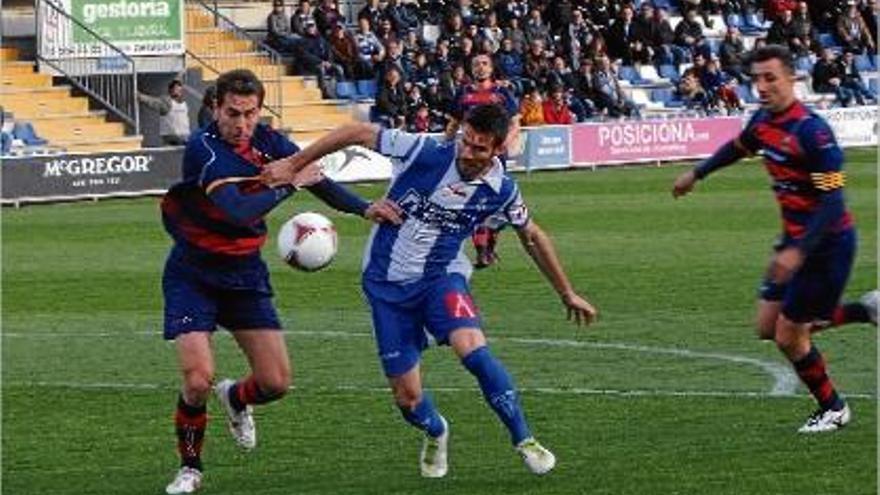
[188, 213]
[471, 95]
[804, 162]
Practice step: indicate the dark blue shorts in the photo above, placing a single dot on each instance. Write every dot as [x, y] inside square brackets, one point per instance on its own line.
[815, 290]
[201, 294]
[404, 315]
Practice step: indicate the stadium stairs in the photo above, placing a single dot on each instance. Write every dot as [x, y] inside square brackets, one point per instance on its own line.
[305, 116]
[66, 121]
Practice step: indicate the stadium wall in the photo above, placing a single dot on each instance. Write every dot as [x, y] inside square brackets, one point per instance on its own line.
[152, 171]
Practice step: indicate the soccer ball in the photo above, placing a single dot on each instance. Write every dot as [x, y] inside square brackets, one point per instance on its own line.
[307, 241]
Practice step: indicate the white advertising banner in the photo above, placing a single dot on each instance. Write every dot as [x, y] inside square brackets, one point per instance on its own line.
[356, 163]
[855, 126]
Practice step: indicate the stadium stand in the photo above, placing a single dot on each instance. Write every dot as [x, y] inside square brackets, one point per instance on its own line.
[63, 120]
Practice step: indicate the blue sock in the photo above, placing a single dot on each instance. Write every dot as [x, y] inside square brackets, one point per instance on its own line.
[424, 416]
[499, 391]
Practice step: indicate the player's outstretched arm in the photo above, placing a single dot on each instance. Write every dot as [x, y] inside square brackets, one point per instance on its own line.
[539, 246]
[726, 155]
[362, 134]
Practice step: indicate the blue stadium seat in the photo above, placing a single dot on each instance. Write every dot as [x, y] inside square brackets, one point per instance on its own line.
[804, 64]
[367, 88]
[346, 90]
[752, 24]
[827, 40]
[734, 20]
[863, 63]
[668, 71]
[629, 73]
[25, 132]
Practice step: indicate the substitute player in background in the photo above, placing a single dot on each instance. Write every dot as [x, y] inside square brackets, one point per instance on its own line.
[214, 273]
[812, 261]
[416, 274]
[485, 90]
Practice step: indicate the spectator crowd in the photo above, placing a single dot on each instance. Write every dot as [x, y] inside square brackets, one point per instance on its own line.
[563, 59]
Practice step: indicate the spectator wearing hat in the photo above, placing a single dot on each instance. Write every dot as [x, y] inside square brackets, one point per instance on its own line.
[315, 57]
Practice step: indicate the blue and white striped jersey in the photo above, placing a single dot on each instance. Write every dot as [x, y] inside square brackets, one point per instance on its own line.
[441, 210]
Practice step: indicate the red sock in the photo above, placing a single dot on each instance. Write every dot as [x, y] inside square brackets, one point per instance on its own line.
[190, 422]
[247, 391]
[811, 370]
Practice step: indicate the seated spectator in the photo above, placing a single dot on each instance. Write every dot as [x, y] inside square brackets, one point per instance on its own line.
[421, 72]
[828, 75]
[661, 38]
[391, 100]
[371, 11]
[580, 34]
[492, 32]
[869, 11]
[344, 51]
[623, 35]
[583, 91]
[531, 107]
[508, 10]
[852, 80]
[303, 14]
[327, 16]
[804, 30]
[402, 19]
[279, 34]
[732, 53]
[537, 63]
[853, 32]
[609, 96]
[424, 121]
[536, 30]
[314, 57]
[370, 50]
[601, 13]
[689, 34]
[782, 31]
[516, 35]
[773, 9]
[556, 111]
[692, 93]
[718, 87]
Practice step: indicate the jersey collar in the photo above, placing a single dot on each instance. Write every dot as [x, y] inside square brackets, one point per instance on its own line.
[493, 177]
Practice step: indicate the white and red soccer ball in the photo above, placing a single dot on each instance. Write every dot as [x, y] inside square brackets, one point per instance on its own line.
[307, 241]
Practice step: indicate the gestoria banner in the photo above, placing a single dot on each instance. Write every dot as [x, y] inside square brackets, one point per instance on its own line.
[650, 140]
[137, 27]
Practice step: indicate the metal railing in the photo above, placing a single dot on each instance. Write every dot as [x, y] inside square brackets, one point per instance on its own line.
[91, 63]
[224, 55]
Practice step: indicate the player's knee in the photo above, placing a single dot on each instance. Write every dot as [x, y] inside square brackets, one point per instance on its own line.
[407, 398]
[275, 385]
[197, 384]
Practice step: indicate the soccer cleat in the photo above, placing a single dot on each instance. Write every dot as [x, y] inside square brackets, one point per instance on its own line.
[187, 480]
[241, 423]
[828, 420]
[538, 459]
[870, 301]
[434, 458]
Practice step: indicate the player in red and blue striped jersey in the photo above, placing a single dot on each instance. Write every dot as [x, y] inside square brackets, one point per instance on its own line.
[485, 90]
[813, 258]
[214, 274]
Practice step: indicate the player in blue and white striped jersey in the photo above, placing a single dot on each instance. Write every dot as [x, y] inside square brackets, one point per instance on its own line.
[415, 274]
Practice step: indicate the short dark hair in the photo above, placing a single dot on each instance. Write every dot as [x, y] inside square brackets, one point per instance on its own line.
[770, 52]
[173, 83]
[489, 119]
[240, 82]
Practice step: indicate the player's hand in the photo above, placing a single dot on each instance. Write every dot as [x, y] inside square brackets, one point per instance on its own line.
[684, 184]
[579, 310]
[785, 264]
[308, 176]
[280, 172]
[384, 210]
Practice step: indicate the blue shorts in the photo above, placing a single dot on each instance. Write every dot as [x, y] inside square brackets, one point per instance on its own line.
[815, 290]
[404, 315]
[201, 294]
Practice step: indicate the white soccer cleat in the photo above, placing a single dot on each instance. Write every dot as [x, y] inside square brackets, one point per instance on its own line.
[822, 421]
[187, 480]
[434, 460]
[870, 301]
[241, 424]
[538, 459]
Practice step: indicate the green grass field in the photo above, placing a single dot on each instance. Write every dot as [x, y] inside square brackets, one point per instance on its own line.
[670, 393]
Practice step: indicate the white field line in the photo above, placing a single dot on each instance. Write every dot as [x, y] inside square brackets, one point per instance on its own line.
[723, 394]
[785, 382]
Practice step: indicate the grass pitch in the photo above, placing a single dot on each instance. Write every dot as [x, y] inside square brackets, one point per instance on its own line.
[670, 393]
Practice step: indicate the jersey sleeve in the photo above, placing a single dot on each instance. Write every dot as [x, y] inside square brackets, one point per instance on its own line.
[824, 156]
[401, 147]
[281, 145]
[515, 213]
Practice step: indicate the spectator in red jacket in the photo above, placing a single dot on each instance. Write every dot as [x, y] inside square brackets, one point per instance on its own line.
[556, 111]
[773, 8]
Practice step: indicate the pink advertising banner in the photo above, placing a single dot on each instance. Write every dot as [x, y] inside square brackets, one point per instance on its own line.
[650, 140]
